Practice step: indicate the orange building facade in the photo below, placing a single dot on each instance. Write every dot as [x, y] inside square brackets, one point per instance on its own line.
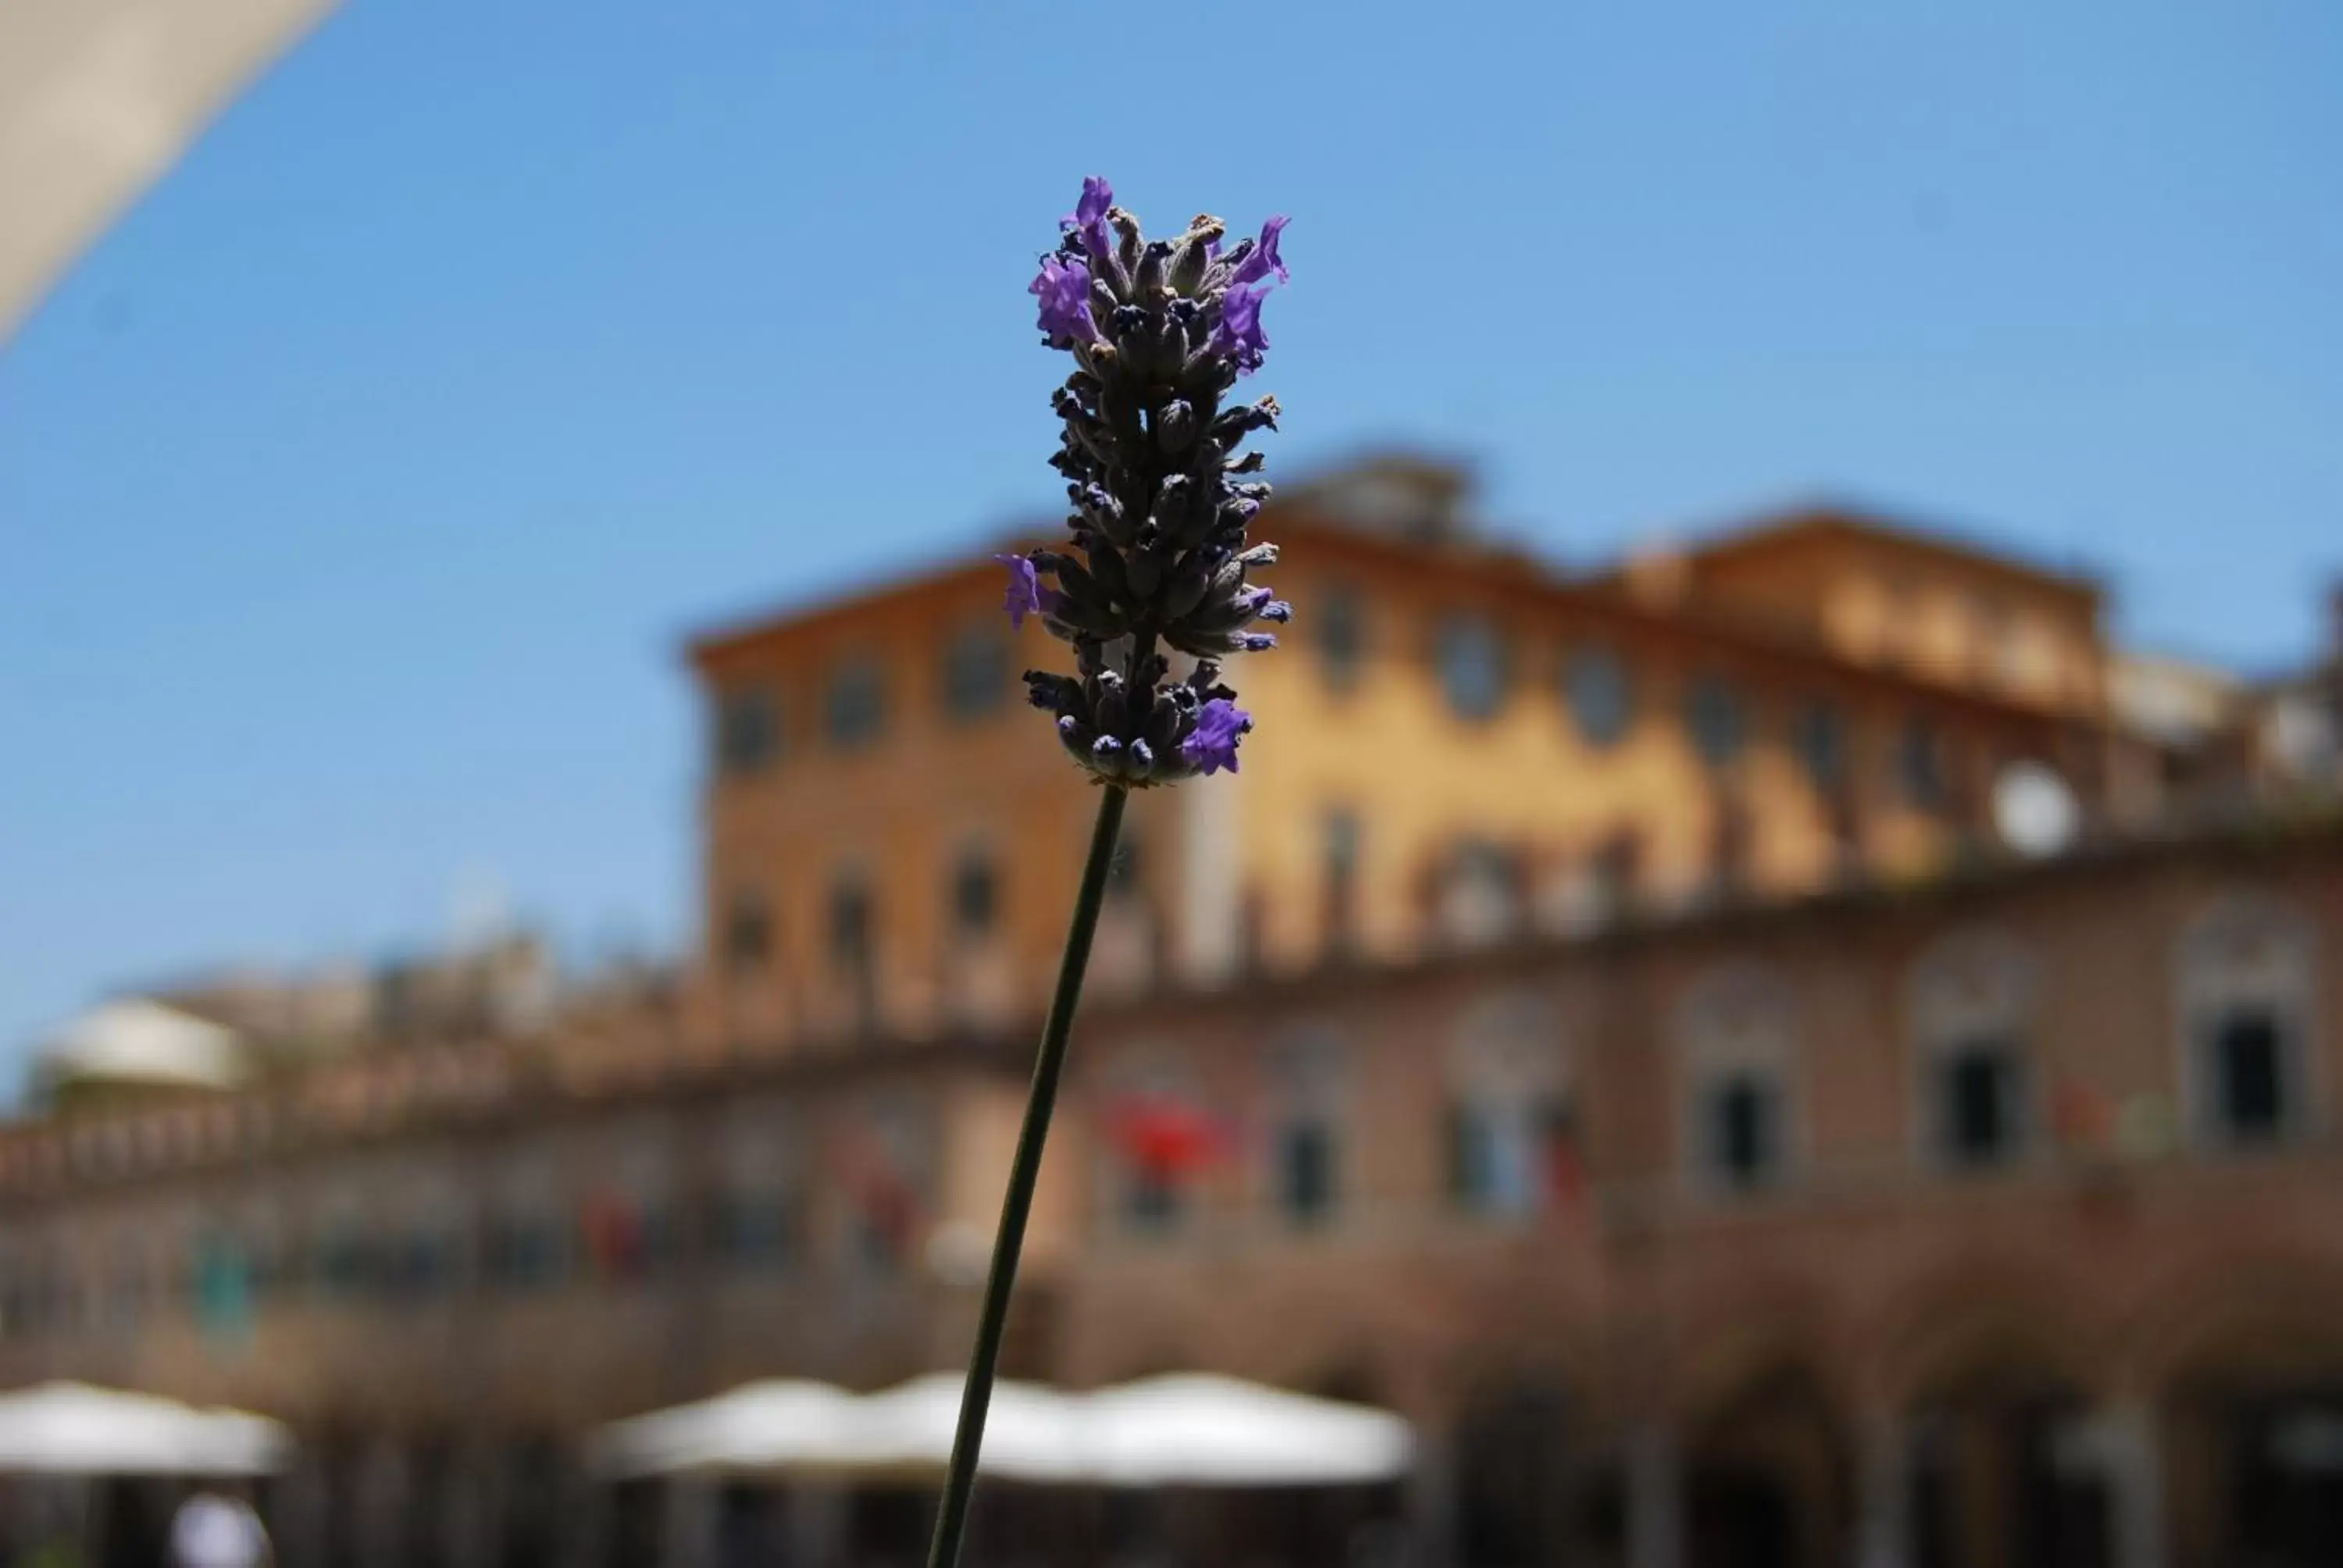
[1467, 747]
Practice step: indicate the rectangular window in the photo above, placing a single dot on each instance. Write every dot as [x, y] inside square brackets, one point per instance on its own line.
[975, 894]
[1339, 621]
[1716, 719]
[1601, 693]
[1150, 1202]
[526, 1252]
[1514, 1160]
[854, 708]
[747, 730]
[1470, 651]
[2248, 1078]
[1306, 1172]
[1820, 739]
[1742, 1130]
[1977, 1103]
[976, 672]
[849, 923]
[755, 1231]
[1920, 766]
[1341, 878]
[748, 933]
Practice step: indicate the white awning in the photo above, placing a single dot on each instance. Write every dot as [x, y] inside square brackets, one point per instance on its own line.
[73, 1429]
[1184, 1430]
[97, 99]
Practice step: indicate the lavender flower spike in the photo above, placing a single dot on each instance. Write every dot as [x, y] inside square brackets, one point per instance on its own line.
[1160, 497]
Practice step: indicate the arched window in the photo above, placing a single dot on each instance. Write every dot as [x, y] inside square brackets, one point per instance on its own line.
[1970, 1004]
[1306, 1124]
[1737, 1047]
[1513, 1135]
[2245, 1011]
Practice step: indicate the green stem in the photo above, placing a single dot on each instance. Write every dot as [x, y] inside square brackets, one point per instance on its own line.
[1017, 1205]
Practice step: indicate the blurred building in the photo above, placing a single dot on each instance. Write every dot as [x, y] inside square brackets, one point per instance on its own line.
[1470, 746]
[1771, 1054]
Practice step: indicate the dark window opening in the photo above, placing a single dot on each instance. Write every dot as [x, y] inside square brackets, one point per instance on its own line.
[755, 1231]
[1714, 716]
[1820, 738]
[976, 672]
[1920, 766]
[2249, 1078]
[748, 933]
[1306, 1172]
[855, 707]
[747, 730]
[1600, 694]
[1339, 619]
[849, 924]
[975, 895]
[1512, 1159]
[1743, 1133]
[1977, 1100]
[1341, 878]
[1471, 653]
[1151, 1201]
[527, 1254]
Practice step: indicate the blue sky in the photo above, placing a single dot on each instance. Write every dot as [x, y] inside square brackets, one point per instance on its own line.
[356, 491]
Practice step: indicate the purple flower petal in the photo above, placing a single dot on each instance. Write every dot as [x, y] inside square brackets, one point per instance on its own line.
[1212, 746]
[1265, 259]
[1089, 218]
[1239, 335]
[1063, 287]
[1025, 596]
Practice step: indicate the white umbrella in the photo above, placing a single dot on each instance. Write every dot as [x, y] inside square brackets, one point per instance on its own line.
[1030, 1433]
[1193, 1429]
[73, 1429]
[777, 1424]
[1185, 1429]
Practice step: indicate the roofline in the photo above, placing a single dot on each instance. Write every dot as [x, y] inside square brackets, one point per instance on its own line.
[1778, 526]
[824, 605]
[1727, 635]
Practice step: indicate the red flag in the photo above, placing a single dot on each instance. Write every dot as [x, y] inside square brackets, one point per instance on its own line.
[887, 1198]
[1165, 1136]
